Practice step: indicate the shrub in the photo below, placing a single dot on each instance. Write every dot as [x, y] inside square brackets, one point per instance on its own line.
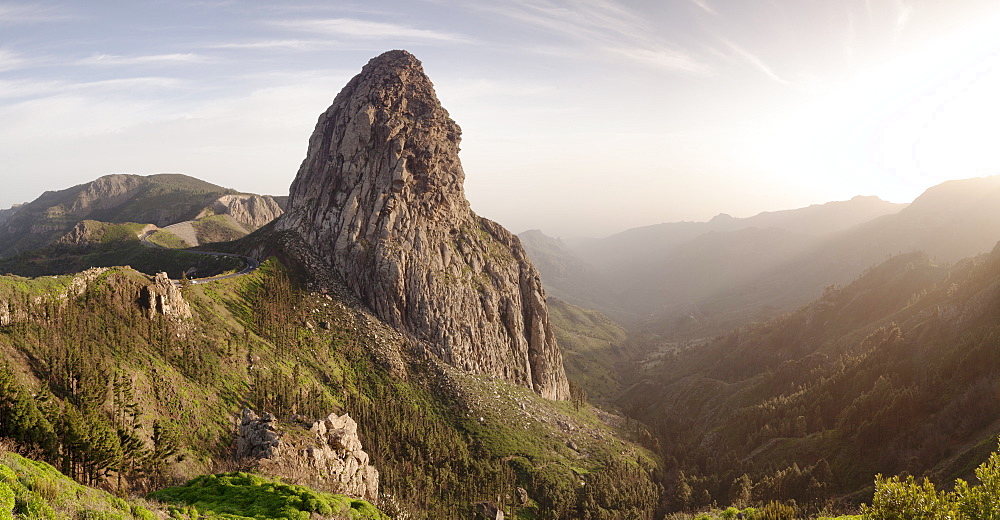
[777, 511]
[730, 513]
[6, 502]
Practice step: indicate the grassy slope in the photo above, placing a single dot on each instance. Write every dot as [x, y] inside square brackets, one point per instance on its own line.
[168, 240]
[592, 347]
[217, 228]
[35, 490]
[255, 340]
[243, 496]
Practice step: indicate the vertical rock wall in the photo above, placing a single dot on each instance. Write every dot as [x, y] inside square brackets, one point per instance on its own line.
[380, 197]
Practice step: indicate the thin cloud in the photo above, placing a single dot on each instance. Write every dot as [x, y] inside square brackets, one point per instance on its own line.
[10, 60]
[299, 45]
[755, 61]
[10, 89]
[704, 6]
[22, 13]
[665, 59]
[371, 30]
[606, 27]
[154, 59]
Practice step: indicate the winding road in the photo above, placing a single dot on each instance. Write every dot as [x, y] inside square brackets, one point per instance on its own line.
[250, 264]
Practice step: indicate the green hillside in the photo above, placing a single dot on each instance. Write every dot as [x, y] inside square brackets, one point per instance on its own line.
[242, 496]
[104, 392]
[593, 348]
[35, 490]
[155, 199]
[893, 373]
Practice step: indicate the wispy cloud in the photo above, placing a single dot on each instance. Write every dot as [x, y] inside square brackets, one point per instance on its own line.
[10, 89]
[306, 45]
[704, 6]
[153, 59]
[604, 26]
[27, 13]
[10, 60]
[752, 59]
[664, 59]
[371, 30]
[904, 11]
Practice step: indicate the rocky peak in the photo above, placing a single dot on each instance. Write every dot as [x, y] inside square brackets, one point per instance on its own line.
[379, 196]
[106, 192]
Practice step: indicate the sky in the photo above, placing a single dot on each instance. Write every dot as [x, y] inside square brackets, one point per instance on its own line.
[579, 117]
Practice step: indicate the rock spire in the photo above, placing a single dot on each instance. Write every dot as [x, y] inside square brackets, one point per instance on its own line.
[379, 196]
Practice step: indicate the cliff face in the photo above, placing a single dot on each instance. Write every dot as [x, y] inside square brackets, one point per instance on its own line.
[251, 211]
[380, 197]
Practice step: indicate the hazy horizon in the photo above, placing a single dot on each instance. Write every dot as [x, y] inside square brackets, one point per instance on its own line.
[579, 118]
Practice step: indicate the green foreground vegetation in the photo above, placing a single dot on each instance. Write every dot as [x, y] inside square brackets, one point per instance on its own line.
[242, 496]
[32, 490]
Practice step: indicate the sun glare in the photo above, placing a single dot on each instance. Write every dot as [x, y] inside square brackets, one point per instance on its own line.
[927, 116]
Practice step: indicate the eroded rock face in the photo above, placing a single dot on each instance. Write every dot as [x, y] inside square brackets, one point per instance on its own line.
[326, 453]
[162, 297]
[251, 211]
[380, 198]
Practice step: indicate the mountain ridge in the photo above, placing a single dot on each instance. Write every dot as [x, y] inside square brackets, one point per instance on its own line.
[160, 199]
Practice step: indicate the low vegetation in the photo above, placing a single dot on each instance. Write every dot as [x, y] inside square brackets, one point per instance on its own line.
[35, 490]
[217, 228]
[242, 496]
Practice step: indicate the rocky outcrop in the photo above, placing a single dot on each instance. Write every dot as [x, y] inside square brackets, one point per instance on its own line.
[162, 297]
[380, 197]
[251, 211]
[106, 192]
[326, 454]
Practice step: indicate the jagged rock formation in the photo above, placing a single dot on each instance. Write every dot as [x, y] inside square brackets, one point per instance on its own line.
[326, 454]
[162, 297]
[380, 197]
[251, 211]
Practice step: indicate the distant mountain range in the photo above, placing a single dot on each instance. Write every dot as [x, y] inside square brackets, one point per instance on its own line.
[691, 279]
[160, 200]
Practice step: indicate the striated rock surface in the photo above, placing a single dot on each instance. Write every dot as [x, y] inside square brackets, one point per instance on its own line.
[380, 198]
[162, 297]
[326, 454]
[250, 211]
